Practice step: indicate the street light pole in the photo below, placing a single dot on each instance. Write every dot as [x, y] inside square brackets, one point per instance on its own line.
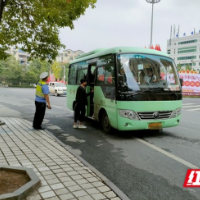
[64, 73]
[152, 2]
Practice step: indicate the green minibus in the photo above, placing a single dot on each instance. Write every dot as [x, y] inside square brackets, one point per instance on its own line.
[134, 88]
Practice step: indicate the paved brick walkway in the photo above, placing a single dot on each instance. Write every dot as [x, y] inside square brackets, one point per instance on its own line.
[63, 176]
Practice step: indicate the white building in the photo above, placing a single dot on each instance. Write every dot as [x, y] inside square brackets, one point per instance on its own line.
[68, 55]
[185, 50]
[65, 56]
[19, 55]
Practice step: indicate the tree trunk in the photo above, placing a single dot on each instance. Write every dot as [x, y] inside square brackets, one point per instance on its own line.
[2, 5]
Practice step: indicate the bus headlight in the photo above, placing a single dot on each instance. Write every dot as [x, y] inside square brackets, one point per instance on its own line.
[128, 114]
[176, 113]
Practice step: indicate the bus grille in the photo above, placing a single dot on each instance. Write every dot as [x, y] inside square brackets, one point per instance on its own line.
[155, 115]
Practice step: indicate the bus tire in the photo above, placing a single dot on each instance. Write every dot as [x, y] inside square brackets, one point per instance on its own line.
[106, 123]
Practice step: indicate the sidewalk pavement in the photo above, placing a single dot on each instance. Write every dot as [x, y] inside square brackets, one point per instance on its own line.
[63, 175]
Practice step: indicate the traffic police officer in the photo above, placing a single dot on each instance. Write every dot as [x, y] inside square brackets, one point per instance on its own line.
[41, 99]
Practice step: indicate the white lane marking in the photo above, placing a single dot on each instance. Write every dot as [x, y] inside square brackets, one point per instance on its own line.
[180, 160]
[62, 108]
[57, 106]
[187, 104]
[193, 109]
[191, 106]
[27, 99]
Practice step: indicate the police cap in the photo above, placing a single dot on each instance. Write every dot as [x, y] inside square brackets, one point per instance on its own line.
[43, 75]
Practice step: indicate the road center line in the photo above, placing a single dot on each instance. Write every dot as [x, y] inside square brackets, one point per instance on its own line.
[180, 160]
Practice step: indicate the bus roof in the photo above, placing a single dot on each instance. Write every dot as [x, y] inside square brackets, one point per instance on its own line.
[104, 51]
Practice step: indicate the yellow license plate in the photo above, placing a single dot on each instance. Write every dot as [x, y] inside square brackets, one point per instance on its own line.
[157, 125]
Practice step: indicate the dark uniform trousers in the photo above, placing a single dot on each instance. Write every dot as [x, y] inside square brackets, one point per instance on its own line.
[39, 114]
[79, 112]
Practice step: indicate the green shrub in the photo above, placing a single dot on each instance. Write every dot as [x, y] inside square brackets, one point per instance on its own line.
[21, 86]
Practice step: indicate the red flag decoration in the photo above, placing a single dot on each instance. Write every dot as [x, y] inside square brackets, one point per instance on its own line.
[51, 78]
[157, 47]
[152, 47]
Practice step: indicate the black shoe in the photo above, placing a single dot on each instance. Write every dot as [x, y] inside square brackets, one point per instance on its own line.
[40, 128]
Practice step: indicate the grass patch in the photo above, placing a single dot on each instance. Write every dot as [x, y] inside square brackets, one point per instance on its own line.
[21, 86]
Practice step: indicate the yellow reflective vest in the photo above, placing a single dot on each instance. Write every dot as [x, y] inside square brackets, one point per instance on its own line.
[38, 91]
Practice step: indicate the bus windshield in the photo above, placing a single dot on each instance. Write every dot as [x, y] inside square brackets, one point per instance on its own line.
[137, 72]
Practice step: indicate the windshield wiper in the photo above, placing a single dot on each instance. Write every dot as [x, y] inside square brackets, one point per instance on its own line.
[171, 92]
[166, 89]
[137, 92]
[151, 90]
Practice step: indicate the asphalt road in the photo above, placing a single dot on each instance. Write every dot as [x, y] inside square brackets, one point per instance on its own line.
[144, 165]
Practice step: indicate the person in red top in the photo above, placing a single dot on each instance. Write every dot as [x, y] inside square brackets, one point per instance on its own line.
[81, 102]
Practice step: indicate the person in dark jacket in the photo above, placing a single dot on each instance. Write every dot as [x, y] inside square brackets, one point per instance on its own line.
[81, 102]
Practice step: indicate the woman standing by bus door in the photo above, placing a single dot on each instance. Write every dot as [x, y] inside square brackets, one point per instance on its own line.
[81, 102]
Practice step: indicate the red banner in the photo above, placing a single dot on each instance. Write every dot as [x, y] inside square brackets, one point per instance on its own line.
[191, 83]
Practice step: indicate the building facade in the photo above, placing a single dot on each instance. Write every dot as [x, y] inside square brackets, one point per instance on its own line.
[65, 56]
[19, 55]
[185, 50]
[68, 55]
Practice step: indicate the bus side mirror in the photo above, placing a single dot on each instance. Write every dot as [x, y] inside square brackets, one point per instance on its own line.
[181, 81]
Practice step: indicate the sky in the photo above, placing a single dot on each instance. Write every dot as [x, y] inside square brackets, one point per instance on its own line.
[128, 23]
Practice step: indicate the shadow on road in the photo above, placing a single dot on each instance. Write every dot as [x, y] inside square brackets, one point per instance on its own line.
[125, 134]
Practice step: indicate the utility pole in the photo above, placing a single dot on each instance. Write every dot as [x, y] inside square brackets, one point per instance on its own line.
[152, 2]
[64, 73]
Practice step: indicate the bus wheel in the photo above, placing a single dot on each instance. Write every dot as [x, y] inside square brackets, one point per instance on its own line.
[56, 93]
[106, 123]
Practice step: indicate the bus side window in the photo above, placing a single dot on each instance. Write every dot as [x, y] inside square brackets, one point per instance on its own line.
[72, 74]
[100, 75]
[81, 74]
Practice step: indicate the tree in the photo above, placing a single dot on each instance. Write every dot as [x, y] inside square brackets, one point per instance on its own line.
[38, 66]
[12, 71]
[56, 67]
[179, 67]
[66, 66]
[188, 67]
[34, 25]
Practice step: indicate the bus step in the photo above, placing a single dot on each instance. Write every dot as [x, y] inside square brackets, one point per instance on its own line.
[91, 117]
